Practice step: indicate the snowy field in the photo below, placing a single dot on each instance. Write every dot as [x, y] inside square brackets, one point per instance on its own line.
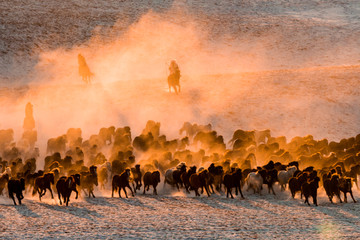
[289, 66]
[169, 216]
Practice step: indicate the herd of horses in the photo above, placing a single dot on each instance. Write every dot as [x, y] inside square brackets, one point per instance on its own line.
[199, 161]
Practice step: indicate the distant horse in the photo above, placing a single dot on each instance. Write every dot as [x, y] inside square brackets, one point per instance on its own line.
[174, 81]
[84, 70]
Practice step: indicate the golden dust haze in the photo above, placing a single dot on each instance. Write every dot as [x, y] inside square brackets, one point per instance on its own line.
[129, 83]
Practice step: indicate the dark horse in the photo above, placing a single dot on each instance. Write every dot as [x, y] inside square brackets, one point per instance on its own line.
[66, 185]
[120, 182]
[174, 81]
[42, 183]
[17, 187]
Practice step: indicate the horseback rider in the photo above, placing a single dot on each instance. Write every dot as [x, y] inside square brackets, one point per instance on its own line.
[174, 76]
[174, 69]
[84, 70]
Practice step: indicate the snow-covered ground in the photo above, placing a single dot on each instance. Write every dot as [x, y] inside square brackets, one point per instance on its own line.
[289, 66]
[169, 216]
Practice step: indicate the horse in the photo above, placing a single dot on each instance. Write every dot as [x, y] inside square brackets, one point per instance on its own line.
[120, 182]
[151, 179]
[66, 185]
[137, 175]
[17, 187]
[84, 70]
[174, 81]
[89, 179]
[42, 183]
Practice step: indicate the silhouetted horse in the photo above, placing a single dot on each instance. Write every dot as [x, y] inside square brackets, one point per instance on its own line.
[174, 81]
[185, 177]
[84, 70]
[137, 175]
[151, 179]
[66, 185]
[120, 182]
[16, 186]
[42, 183]
[233, 180]
[200, 180]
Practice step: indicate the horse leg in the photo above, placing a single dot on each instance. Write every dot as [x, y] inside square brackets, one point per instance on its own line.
[144, 189]
[39, 192]
[352, 196]
[155, 192]
[338, 195]
[314, 200]
[66, 200]
[133, 185]
[207, 190]
[229, 190]
[187, 188]
[196, 192]
[77, 194]
[307, 200]
[92, 192]
[242, 196]
[11, 195]
[212, 189]
[132, 193]
[119, 192]
[59, 196]
[21, 196]
[345, 197]
[52, 196]
[125, 192]
[18, 195]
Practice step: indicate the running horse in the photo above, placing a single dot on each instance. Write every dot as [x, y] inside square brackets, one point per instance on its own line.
[174, 81]
[84, 70]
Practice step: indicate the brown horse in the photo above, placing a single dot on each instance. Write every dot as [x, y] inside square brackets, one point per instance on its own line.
[42, 183]
[84, 70]
[174, 81]
[66, 185]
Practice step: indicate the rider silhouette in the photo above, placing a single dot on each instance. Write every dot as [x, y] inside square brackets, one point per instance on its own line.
[174, 69]
[84, 70]
[174, 76]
